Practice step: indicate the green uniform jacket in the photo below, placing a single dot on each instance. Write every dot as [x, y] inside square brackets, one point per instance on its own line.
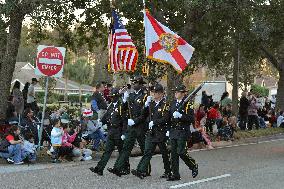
[116, 120]
[180, 127]
[160, 117]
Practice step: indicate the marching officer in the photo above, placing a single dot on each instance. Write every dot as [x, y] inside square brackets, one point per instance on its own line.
[182, 116]
[156, 113]
[116, 120]
[136, 125]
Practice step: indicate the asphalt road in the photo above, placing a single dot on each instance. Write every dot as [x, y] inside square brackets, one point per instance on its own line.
[255, 166]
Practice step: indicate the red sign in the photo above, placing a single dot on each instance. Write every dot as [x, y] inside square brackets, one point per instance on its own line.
[50, 61]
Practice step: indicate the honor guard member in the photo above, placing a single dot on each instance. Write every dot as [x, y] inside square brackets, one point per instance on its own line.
[182, 116]
[136, 124]
[156, 112]
[116, 121]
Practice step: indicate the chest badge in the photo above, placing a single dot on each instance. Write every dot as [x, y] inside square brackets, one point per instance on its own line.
[139, 101]
[159, 110]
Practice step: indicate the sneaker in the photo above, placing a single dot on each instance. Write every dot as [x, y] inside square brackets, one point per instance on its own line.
[10, 161]
[173, 178]
[19, 163]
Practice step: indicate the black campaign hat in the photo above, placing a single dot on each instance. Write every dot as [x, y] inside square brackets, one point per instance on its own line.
[114, 92]
[180, 88]
[157, 88]
[138, 79]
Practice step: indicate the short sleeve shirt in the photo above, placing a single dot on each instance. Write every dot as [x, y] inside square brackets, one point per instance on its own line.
[31, 90]
[10, 138]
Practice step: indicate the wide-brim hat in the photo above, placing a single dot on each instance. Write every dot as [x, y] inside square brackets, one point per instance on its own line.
[180, 88]
[114, 92]
[157, 88]
[138, 79]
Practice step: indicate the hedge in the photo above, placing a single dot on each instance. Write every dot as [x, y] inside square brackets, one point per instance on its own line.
[54, 98]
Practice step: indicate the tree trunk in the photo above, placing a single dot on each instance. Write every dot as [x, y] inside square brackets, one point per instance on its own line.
[80, 93]
[9, 60]
[173, 80]
[280, 91]
[235, 95]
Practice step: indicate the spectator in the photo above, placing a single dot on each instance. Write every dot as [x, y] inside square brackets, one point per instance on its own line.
[280, 120]
[29, 148]
[225, 100]
[93, 129]
[252, 113]
[205, 100]
[272, 118]
[67, 140]
[10, 146]
[25, 93]
[243, 111]
[30, 124]
[18, 99]
[107, 90]
[31, 98]
[56, 140]
[213, 117]
[11, 114]
[98, 102]
[225, 132]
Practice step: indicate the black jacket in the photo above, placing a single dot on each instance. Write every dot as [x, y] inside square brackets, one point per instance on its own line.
[160, 117]
[135, 107]
[101, 102]
[180, 127]
[116, 120]
[244, 104]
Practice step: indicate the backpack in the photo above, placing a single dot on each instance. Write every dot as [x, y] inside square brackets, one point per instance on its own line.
[4, 144]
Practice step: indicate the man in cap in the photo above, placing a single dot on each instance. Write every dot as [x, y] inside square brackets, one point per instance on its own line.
[182, 116]
[136, 125]
[116, 120]
[31, 98]
[93, 129]
[156, 112]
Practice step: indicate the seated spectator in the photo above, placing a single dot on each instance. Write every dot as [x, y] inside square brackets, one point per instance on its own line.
[213, 117]
[10, 146]
[67, 140]
[226, 132]
[93, 130]
[280, 120]
[80, 152]
[29, 148]
[272, 118]
[30, 124]
[198, 132]
[56, 140]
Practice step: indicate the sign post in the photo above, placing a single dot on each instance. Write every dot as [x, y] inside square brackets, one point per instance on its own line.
[49, 63]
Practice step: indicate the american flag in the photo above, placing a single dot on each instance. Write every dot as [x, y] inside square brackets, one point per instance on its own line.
[123, 54]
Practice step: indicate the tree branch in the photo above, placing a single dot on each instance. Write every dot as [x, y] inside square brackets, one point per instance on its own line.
[271, 58]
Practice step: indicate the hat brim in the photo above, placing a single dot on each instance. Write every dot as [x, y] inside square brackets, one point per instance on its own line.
[65, 121]
[183, 91]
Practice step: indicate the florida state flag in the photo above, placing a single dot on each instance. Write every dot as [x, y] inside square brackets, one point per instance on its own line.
[163, 45]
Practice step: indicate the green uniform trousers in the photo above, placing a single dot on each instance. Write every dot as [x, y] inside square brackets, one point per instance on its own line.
[110, 146]
[128, 145]
[179, 150]
[150, 147]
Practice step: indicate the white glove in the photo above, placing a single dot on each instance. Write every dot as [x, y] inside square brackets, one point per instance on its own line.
[168, 133]
[151, 124]
[131, 122]
[176, 115]
[148, 101]
[125, 97]
[122, 137]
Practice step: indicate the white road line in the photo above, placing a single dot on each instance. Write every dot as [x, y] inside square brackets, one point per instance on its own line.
[200, 181]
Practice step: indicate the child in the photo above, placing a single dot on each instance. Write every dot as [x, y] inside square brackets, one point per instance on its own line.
[225, 132]
[56, 140]
[29, 149]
